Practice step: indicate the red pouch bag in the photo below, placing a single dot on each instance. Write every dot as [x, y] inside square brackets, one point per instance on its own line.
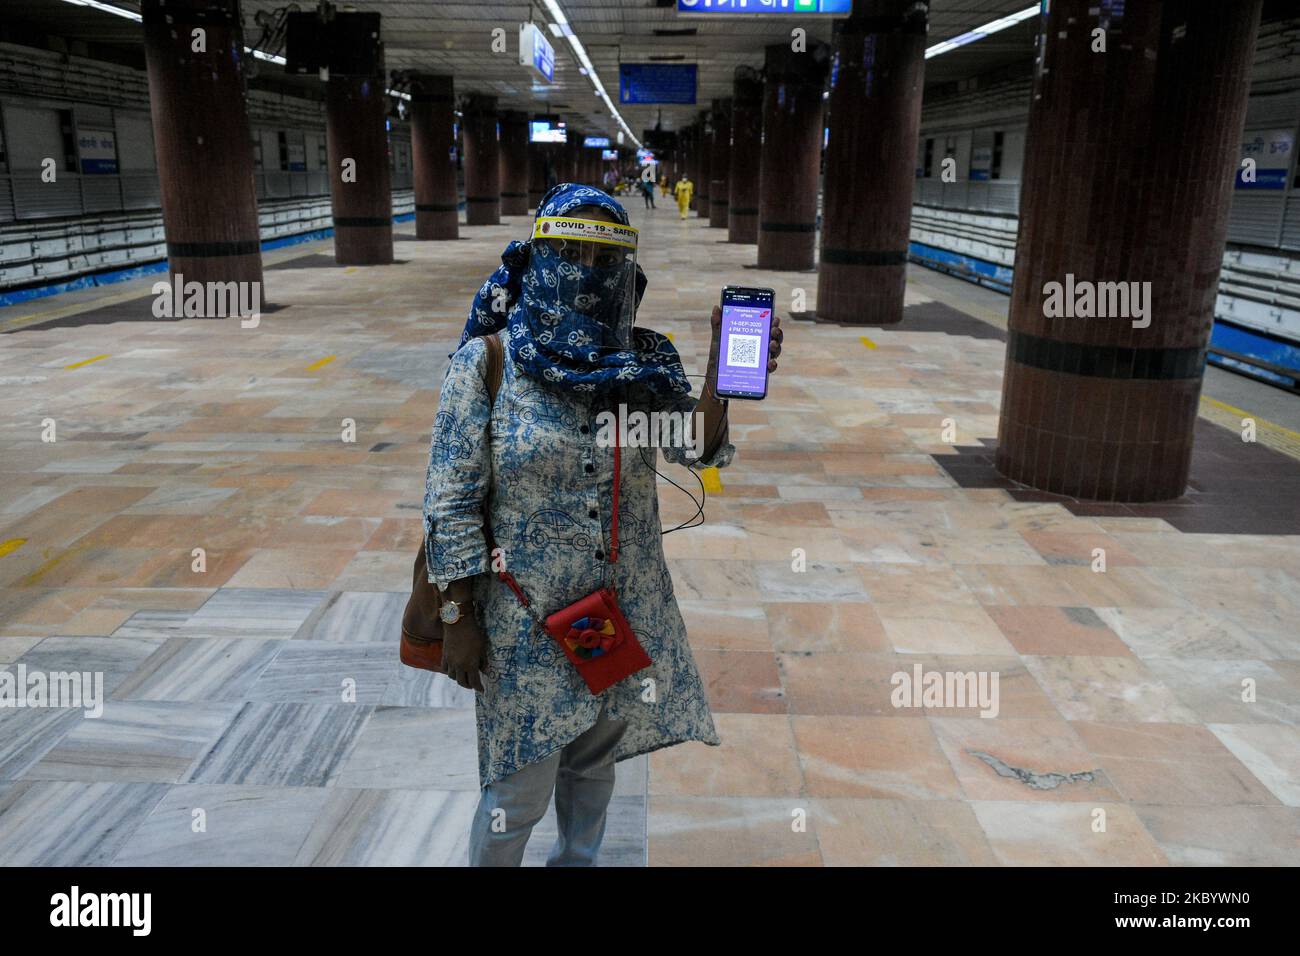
[596, 637]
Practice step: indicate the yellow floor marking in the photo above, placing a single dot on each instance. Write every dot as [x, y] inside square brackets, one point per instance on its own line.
[1266, 433]
[712, 480]
[322, 363]
[670, 337]
[97, 358]
[349, 270]
[867, 342]
[10, 546]
[50, 565]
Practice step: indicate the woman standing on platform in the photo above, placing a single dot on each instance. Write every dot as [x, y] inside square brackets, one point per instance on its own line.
[564, 305]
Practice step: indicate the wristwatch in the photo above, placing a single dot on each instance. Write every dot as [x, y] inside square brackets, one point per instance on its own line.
[450, 612]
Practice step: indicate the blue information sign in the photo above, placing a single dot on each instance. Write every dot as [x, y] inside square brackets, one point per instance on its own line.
[765, 6]
[657, 83]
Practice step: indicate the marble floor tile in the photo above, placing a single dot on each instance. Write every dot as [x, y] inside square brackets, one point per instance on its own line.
[757, 758]
[1063, 834]
[135, 742]
[116, 658]
[872, 757]
[413, 687]
[1182, 632]
[942, 629]
[356, 617]
[861, 832]
[1171, 764]
[1058, 631]
[253, 612]
[192, 669]
[414, 748]
[324, 672]
[287, 745]
[390, 828]
[848, 684]
[65, 823]
[1107, 689]
[1270, 751]
[1231, 691]
[1038, 760]
[817, 627]
[745, 682]
[731, 831]
[28, 734]
[1224, 836]
[733, 625]
[223, 825]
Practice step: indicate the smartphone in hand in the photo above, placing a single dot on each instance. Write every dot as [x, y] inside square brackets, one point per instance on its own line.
[746, 331]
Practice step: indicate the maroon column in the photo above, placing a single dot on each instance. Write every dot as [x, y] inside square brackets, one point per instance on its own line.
[482, 170]
[537, 160]
[361, 194]
[572, 156]
[791, 157]
[1128, 178]
[746, 147]
[433, 155]
[514, 164]
[875, 116]
[205, 152]
[703, 159]
[720, 165]
[687, 140]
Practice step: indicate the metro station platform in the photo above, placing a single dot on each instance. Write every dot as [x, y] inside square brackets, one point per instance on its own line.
[1121, 691]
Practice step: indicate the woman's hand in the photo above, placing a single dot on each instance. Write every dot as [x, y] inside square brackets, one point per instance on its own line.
[464, 652]
[715, 347]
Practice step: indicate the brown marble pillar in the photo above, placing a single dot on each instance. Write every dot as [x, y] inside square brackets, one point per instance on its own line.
[538, 159]
[746, 148]
[202, 140]
[1128, 177]
[690, 159]
[791, 156]
[514, 163]
[361, 193]
[482, 163]
[720, 165]
[433, 156]
[875, 116]
[704, 160]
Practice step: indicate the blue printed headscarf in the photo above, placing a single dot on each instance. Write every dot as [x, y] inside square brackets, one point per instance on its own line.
[539, 335]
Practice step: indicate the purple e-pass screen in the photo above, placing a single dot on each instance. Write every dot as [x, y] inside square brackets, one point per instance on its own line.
[742, 365]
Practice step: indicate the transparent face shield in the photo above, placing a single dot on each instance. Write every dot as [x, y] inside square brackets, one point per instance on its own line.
[588, 283]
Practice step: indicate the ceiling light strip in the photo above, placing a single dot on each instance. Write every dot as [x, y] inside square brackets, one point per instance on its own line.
[979, 33]
[580, 54]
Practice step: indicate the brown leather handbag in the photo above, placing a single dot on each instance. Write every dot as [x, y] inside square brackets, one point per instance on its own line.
[421, 624]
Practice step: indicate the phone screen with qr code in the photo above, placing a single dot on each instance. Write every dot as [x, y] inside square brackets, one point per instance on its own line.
[746, 329]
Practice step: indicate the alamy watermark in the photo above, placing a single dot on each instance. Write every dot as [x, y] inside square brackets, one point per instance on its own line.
[946, 689]
[179, 299]
[655, 429]
[34, 688]
[1098, 300]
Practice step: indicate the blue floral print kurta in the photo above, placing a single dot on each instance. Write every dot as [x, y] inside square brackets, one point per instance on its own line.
[549, 485]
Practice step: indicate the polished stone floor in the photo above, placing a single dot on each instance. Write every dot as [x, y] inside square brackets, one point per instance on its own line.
[1147, 713]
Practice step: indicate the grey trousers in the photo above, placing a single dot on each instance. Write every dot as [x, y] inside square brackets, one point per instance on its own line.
[581, 774]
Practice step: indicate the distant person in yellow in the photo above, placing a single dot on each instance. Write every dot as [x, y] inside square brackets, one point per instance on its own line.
[683, 191]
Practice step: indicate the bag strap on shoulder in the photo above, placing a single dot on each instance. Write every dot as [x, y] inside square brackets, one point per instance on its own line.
[496, 365]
